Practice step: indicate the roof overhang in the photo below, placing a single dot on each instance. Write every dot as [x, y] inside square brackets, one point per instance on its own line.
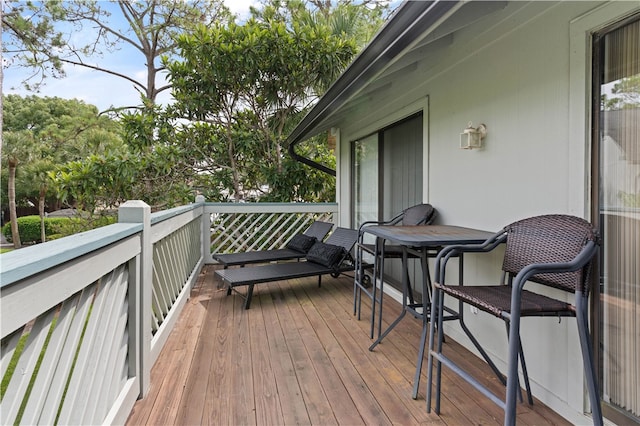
[411, 20]
[398, 44]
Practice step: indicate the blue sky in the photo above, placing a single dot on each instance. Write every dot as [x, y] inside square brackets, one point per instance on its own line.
[98, 88]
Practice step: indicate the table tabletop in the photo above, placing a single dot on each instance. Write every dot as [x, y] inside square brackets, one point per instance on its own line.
[428, 235]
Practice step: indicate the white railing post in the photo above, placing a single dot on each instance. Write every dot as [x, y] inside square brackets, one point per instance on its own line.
[206, 230]
[137, 211]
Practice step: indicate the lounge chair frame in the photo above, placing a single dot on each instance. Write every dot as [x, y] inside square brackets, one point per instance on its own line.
[239, 277]
[317, 229]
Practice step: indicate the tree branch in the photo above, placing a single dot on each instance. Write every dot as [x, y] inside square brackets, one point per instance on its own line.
[104, 70]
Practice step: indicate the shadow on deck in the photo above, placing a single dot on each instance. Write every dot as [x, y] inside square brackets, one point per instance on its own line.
[299, 356]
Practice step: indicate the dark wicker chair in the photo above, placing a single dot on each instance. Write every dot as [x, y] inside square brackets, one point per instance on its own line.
[420, 214]
[552, 250]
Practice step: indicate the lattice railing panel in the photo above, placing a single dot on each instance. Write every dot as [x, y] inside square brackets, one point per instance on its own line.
[239, 232]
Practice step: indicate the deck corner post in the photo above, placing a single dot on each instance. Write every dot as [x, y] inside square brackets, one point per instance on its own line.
[137, 211]
[206, 230]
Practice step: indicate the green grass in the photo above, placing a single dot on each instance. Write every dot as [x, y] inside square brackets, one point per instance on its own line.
[12, 365]
[6, 379]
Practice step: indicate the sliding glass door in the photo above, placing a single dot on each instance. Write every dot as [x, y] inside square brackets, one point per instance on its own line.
[617, 182]
[387, 176]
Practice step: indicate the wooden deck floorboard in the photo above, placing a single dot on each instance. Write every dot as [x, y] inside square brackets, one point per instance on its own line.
[299, 356]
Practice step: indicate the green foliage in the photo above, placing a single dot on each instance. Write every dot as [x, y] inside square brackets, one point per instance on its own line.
[67, 125]
[55, 227]
[29, 228]
[629, 199]
[31, 37]
[98, 180]
[41, 133]
[164, 159]
[243, 87]
[157, 166]
[80, 223]
[239, 90]
[625, 94]
[6, 378]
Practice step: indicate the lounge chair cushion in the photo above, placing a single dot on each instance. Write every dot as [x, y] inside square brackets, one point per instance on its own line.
[325, 254]
[301, 243]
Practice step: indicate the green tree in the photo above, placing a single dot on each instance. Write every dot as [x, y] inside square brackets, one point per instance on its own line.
[41, 133]
[17, 148]
[166, 159]
[42, 36]
[244, 86]
[625, 94]
[156, 165]
[38, 173]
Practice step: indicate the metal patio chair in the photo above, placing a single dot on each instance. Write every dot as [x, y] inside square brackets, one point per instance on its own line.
[552, 250]
[420, 214]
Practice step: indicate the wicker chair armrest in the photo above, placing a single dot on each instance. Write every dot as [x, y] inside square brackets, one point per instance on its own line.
[455, 250]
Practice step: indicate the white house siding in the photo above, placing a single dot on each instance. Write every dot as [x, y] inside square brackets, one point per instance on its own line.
[524, 72]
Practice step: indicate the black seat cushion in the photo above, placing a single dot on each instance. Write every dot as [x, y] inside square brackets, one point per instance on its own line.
[301, 243]
[325, 254]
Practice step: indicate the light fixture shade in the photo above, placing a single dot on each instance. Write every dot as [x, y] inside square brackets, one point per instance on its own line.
[472, 137]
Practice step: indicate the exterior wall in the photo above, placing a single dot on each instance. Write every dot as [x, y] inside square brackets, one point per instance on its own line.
[524, 72]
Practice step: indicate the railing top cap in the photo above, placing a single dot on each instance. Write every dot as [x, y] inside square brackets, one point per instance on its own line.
[271, 207]
[19, 264]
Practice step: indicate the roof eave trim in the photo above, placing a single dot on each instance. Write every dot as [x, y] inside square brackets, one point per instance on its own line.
[409, 21]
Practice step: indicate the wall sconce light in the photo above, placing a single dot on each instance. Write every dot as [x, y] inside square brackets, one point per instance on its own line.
[472, 137]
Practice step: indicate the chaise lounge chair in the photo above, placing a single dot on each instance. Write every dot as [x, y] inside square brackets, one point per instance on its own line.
[331, 257]
[296, 248]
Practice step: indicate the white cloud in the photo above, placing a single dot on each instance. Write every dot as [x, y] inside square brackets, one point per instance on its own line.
[240, 7]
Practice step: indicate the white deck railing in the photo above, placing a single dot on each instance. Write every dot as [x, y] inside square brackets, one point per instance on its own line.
[262, 226]
[84, 318]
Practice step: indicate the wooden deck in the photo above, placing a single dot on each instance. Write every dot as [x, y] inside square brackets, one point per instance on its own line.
[299, 356]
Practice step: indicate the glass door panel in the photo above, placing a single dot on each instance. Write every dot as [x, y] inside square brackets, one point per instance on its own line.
[618, 142]
[365, 179]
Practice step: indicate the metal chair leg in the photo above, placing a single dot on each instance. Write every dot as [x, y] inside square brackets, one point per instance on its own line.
[439, 351]
[358, 287]
[435, 314]
[426, 318]
[525, 373]
[587, 359]
[512, 360]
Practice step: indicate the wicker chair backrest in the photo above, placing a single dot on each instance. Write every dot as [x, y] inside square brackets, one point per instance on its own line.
[549, 239]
